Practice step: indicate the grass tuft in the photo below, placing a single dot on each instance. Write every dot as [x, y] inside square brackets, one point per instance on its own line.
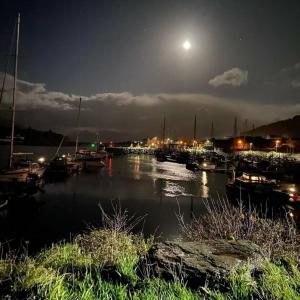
[241, 283]
[276, 283]
[28, 274]
[65, 257]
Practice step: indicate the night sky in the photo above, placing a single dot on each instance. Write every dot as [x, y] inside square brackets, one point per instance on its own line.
[126, 60]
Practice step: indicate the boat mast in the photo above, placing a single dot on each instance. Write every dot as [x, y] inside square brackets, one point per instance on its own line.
[235, 128]
[14, 94]
[78, 118]
[195, 129]
[212, 130]
[164, 131]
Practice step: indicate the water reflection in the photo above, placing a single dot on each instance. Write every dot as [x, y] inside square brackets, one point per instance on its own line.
[173, 189]
[204, 187]
[141, 184]
[136, 172]
[110, 166]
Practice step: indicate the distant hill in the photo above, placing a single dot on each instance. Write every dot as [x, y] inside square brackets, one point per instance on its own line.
[34, 137]
[285, 128]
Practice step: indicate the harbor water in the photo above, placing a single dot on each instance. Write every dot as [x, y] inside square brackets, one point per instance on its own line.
[138, 183]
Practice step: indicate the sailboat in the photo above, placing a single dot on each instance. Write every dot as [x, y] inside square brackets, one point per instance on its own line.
[21, 176]
[91, 160]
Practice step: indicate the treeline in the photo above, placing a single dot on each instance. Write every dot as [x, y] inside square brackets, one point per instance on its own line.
[30, 136]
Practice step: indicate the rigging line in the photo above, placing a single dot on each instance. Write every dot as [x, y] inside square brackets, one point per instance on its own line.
[8, 62]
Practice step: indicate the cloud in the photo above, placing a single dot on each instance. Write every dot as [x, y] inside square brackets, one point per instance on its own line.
[126, 115]
[290, 76]
[36, 95]
[234, 77]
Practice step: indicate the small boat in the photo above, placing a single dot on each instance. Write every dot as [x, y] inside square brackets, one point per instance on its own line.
[90, 159]
[193, 166]
[57, 167]
[257, 188]
[207, 166]
[22, 176]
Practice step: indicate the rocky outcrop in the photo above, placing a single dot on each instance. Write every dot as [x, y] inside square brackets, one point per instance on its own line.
[202, 262]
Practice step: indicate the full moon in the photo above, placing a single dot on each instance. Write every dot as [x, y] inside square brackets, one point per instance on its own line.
[186, 45]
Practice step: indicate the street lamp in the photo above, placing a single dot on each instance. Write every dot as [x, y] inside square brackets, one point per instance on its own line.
[240, 144]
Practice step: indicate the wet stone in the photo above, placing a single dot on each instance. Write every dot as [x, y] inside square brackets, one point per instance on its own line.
[203, 262]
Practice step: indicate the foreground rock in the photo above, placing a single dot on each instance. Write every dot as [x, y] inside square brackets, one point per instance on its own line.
[205, 262]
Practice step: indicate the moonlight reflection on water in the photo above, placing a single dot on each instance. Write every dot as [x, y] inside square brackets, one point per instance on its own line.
[139, 184]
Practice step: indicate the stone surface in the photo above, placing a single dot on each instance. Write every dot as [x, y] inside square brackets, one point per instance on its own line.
[202, 262]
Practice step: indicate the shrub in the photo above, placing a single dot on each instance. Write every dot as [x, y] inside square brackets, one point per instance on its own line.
[225, 221]
[107, 246]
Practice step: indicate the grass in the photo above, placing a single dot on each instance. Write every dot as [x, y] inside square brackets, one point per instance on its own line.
[65, 258]
[69, 272]
[76, 270]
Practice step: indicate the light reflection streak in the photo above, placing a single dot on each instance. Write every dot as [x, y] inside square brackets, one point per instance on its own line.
[136, 171]
[204, 187]
[110, 167]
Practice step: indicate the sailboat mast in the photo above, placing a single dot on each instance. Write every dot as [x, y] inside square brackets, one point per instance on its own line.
[14, 94]
[195, 129]
[164, 131]
[212, 130]
[78, 118]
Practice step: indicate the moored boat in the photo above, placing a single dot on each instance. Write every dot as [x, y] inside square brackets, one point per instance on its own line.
[257, 188]
[207, 166]
[21, 176]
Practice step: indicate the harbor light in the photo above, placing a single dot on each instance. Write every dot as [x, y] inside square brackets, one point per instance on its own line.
[277, 143]
[41, 160]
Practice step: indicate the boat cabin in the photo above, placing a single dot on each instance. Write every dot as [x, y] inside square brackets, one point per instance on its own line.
[254, 178]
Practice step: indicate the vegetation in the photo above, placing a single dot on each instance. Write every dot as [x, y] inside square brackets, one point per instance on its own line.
[104, 264]
[225, 221]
